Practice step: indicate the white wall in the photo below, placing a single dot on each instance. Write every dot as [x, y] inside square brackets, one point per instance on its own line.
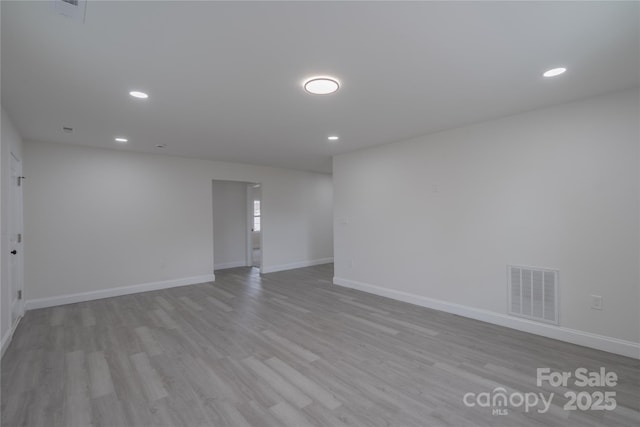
[10, 143]
[229, 224]
[436, 219]
[97, 219]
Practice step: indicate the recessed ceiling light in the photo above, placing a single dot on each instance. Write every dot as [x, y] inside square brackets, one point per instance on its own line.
[121, 140]
[554, 72]
[321, 85]
[138, 94]
[333, 138]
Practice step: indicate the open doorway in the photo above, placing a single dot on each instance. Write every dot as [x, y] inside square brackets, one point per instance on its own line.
[237, 225]
[254, 199]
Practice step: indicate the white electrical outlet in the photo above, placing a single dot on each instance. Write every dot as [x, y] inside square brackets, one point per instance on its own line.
[596, 302]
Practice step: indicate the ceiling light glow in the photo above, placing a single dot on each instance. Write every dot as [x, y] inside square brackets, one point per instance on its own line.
[138, 94]
[554, 72]
[121, 140]
[333, 138]
[321, 85]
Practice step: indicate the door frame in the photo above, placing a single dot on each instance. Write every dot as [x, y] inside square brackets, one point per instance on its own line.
[15, 226]
[249, 228]
[250, 192]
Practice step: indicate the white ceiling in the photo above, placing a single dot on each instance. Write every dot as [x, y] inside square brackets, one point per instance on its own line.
[224, 78]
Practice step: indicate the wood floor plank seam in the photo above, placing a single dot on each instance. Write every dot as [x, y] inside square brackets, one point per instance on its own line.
[285, 348]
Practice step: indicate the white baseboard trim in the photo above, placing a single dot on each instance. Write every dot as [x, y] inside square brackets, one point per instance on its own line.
[282, 267]
[235, 264]
[586, 339]
[8, 336]
[115, 292]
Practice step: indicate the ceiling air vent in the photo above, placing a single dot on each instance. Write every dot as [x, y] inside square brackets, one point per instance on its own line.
[533, 293]
[74, 9]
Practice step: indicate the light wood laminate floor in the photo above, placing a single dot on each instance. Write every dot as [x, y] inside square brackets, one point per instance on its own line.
[284, 349]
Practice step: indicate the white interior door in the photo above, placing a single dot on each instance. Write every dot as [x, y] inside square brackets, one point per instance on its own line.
[15, 240]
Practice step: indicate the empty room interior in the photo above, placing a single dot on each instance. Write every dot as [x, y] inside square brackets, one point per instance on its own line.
[320, 213]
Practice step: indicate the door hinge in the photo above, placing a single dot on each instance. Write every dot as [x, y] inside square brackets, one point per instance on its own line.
[20, 179]
[19, 237]
[19, 294]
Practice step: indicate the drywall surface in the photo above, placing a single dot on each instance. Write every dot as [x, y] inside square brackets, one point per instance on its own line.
[441, 216]
[229, 224]
[98, 219]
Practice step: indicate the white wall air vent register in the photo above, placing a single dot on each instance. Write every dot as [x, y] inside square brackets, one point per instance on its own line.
[533, 293]
[74, 9]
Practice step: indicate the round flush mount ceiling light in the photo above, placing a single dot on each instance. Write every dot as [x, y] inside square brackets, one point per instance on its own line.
[121, 140]
[138, 94]
[321, 85]
[333, 138]
[554, 72]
